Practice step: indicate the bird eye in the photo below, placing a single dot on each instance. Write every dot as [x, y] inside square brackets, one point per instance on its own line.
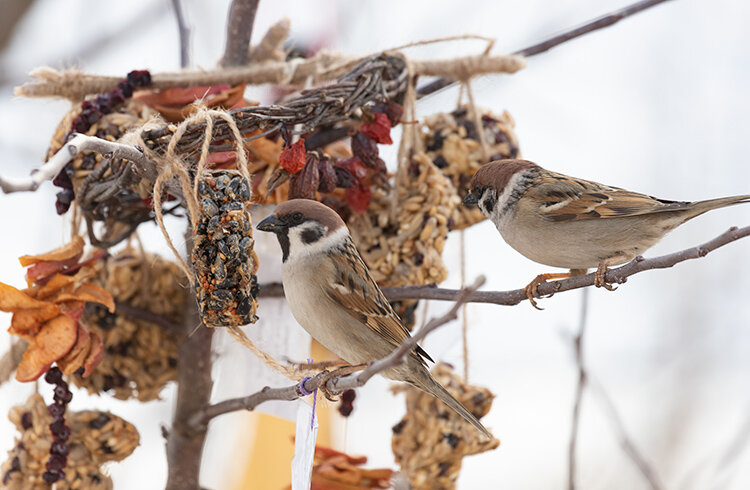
[297, 218]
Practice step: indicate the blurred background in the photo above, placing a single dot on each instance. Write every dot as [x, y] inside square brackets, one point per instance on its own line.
[658, 103]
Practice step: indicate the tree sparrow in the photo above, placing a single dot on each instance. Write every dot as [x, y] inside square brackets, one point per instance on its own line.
[577, 224]
[332, 295]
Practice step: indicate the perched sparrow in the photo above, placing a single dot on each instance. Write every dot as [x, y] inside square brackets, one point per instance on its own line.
[332, 295]
[573, 223]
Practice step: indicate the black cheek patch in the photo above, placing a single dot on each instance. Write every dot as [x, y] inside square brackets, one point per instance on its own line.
[489, 204]
[311, 235]
[284, 242]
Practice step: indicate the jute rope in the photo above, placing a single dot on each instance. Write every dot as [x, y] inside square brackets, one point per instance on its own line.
[172, 166]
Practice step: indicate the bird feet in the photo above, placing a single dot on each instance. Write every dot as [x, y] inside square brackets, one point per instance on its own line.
[532, 288]
[601, 271]
[337, 373]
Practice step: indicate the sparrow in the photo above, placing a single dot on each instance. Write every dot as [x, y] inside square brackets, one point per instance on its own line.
[331, 293]
[576, 224]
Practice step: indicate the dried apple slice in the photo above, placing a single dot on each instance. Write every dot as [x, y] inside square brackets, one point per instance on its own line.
[55, 339]
[30, 368]
[67, 251]
[26, 323]
[56, 283]
[95, 355]
[75, 359]
[12, 300]
[88, 292]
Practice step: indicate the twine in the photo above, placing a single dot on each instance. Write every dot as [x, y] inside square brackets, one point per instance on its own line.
[290, 372]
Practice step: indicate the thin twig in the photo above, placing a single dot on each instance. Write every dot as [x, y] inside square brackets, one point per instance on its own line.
[239, 31]
[70, 150]
[626, 443]
[513, 297]
[580, 387]
[184, 33]
[541, 47]
[334, 385]
[141, 314]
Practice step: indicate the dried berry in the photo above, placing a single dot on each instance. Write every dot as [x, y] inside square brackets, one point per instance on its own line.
[365, 148]
[358, 197]
[56, 410]
[304, 184]
[379, 130]
[292, 158]
[339, 206]
[53, 376]
[26, 420]
[391, 109]
[139, 78]
[326, 175]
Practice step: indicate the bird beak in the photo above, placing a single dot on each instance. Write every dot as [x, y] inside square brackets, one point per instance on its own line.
[271, 223]
[471, 200]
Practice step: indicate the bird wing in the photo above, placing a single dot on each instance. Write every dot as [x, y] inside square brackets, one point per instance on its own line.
[566, 198]
[356, 292]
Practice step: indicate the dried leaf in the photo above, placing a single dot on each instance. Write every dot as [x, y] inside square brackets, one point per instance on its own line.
[67, 251]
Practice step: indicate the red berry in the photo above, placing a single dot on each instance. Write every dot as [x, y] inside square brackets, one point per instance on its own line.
[379, 129]
[292, 158]
[358, 198]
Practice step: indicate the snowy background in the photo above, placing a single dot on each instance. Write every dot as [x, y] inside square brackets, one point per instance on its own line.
[658, 103]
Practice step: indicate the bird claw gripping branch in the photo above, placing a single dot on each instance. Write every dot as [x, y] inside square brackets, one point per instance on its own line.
[224, 260]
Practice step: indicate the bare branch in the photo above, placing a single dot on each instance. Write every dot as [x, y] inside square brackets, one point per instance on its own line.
[547, 44]
[184, 33]
[69, 151]
[240, 22]
[580, 387]
[627, 445]
[323, 67]
[141, 314]
[510, 298]
[333, 385]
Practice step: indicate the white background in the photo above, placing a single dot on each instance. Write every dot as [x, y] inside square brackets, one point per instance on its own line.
[658, 103]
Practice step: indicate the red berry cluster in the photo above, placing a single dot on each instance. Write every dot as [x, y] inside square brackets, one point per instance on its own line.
[313, 173]
[91, 111]
[58, 451]
[347, 402]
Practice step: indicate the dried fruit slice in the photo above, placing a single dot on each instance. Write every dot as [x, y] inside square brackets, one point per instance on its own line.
[56, 283]
[95, 355]
[75, 359]
[55, 339]
[12, 300]
[26, 323]
[67, 251]
[88, 292]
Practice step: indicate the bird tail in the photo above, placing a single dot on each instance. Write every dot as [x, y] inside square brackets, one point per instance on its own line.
[431, 386]
[701, 207]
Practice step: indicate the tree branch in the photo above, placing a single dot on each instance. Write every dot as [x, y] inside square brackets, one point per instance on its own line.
[591, 26]
[334, 385]
[239, 31]
[184, 33]
[580, 387]
[513, 297]
[627, 445]
[143, 166]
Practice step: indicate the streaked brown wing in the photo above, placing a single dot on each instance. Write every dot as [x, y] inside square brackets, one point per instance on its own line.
[569, 199]
[357, 293]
